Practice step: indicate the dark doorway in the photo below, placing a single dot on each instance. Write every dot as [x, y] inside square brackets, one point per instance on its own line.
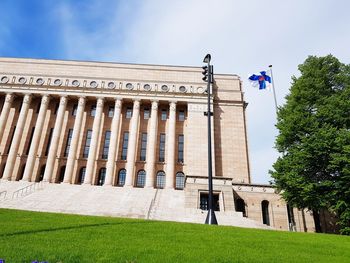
[204, 201]
[265, 212]
[240, 206]
[62, 171]
[42, 171]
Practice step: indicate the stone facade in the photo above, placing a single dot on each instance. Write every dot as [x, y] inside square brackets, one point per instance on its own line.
[126, 125]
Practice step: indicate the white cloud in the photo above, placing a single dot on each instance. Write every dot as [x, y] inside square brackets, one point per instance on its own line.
[242, 36]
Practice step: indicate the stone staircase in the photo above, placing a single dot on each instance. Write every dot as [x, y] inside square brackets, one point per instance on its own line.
[147, 203]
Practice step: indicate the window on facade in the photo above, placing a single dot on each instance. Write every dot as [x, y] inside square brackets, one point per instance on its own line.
[180, 149]
[146, 114]
[160, 180]
[181, 115]
[128, 114]
[121, 177]
[30, 141]
[93, 111]
[106, 144]
[141, 178]
[75, 109]
[87, 144]
[81, 175]
[163, 115]
[180, 180]
[13, 133]
[69, 140]
[110, 112]
[162, 147]
[125, 145]
[49, 142]
[101, 176]
[143, 147]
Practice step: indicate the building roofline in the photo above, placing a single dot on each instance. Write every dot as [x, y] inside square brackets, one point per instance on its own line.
[195, 68]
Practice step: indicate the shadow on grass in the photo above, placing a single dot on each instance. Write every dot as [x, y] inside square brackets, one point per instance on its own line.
[69, 228]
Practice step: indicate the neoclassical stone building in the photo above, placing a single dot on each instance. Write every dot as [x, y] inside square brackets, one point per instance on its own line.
[127, 126]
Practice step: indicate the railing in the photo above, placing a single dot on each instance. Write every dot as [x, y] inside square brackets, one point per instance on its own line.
[3, 194]
[152, 204]
[27, 190]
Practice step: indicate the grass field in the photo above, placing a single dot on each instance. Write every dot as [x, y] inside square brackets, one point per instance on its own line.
[28, 236]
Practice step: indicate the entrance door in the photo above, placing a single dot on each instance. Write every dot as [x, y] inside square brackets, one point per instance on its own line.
[204, 201]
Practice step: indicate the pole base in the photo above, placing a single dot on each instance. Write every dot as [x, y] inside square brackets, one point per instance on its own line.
[211, 218]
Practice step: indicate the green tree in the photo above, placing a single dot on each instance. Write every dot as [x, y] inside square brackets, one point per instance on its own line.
[313, 171]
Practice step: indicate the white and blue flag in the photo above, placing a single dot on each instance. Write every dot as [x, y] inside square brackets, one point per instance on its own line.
[262, 80]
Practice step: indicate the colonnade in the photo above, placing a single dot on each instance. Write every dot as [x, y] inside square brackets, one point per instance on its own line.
[96, 129]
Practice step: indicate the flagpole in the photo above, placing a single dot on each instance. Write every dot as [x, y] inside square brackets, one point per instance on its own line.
[273, 88]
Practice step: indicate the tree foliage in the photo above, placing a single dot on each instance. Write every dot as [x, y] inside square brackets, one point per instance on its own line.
[313, 171]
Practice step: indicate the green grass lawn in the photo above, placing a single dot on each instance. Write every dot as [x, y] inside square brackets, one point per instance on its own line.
[28, 236]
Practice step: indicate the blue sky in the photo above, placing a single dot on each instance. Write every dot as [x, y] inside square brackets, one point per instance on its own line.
[243, 37]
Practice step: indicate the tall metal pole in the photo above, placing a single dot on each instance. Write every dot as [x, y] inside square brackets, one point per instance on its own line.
[273, 88]
[211, 218]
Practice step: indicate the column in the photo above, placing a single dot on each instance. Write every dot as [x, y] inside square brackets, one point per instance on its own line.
[112, 151]
[170, 161]
[5, 112]
[27, 176]
[94, 142]
[75, 140]
[11, 159]
[151, 145]
[50, 162]
[133, 130]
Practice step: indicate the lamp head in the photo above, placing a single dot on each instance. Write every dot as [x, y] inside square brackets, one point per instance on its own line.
[207, 58]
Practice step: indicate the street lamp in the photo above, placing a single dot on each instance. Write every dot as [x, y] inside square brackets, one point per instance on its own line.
[208, 77]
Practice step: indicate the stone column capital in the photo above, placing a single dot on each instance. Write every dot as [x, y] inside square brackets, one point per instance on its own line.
[137, 103]
[100, 101]
[45, 99]
[63, 100]
[172, 105]
[118, 103]
[82, 100]
[9, 97]
[27, 98]
[155, 104]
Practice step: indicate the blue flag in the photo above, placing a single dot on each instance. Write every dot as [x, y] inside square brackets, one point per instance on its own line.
[261, 80]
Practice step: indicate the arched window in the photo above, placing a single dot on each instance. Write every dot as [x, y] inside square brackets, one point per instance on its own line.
[121, 177]
[81, 175]
[141, 178]
[42, 171]
[160, 182]
[240, 206]
[62, 171]
[101, 176]
[265, 212]
[180, 180]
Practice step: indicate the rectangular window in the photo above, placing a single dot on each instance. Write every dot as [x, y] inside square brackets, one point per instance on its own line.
[125, 145]
[48, 142]
[74, 111]
[146, 114]
[93, 111]
[181, 115]
[87, 144]
[30, 141]
[13, 133]
[143, 147]
[128, 114]
[106, 144]
[163, 115]
[69, 140]
[162, 147]
[180, 149]
[111, 112]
